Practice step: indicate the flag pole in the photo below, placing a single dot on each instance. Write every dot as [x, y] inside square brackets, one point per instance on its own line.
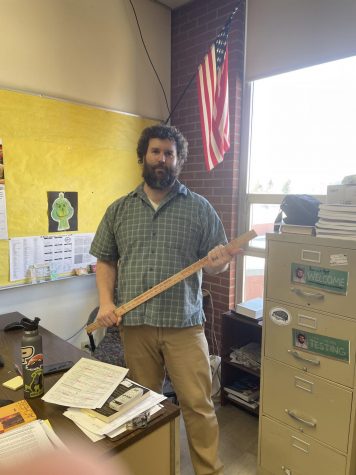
[226, 26]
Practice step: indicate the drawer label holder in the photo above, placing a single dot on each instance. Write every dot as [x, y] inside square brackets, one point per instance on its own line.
[321, 344]
[330, 280]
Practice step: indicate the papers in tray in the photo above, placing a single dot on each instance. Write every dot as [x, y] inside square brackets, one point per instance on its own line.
[96, 429]
[88, 385]
[126, 395]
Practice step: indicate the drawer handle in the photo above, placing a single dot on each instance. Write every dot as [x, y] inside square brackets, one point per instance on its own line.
[293, 415]
[297, 355]
[308, 295]
[286, 471]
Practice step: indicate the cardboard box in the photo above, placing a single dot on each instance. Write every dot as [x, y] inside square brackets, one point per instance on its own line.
[341, 195]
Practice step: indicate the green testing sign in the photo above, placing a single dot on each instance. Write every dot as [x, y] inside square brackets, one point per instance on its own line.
[322, 345]
[330, 280]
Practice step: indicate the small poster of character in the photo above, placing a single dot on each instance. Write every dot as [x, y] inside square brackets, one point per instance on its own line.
[62, 211]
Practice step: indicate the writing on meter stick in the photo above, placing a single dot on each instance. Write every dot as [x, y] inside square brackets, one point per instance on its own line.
[233, 247]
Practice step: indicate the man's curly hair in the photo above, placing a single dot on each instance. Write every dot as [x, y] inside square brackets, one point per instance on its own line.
[163, 132]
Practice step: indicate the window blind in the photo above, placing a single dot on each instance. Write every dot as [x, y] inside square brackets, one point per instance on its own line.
[284, 35]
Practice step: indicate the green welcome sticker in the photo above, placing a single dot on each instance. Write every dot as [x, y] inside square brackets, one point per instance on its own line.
[330, 280]
[322, 345]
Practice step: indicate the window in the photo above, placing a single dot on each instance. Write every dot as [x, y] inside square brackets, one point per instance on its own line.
[299, 139]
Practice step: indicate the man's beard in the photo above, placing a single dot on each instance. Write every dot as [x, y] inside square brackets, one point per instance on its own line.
[159, 180]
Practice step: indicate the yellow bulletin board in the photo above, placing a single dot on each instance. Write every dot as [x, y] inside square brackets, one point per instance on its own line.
[52, 145]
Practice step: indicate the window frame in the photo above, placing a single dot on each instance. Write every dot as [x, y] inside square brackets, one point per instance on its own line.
[245, 199]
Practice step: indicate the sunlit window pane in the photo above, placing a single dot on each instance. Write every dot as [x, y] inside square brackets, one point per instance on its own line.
[262, 217]
[303, 129]
[253, 277]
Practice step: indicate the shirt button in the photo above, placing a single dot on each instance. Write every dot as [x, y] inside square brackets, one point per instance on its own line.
[152, 252]
[151, 269]
[154, 233]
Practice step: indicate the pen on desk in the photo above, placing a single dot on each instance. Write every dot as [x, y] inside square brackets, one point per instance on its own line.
[18, 369]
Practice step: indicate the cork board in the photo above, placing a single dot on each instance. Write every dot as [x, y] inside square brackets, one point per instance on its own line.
[50, 144]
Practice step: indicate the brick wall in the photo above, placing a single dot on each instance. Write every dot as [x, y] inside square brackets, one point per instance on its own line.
[194, 27]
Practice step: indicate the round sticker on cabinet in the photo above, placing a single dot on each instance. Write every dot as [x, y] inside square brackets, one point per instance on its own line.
[280, 316]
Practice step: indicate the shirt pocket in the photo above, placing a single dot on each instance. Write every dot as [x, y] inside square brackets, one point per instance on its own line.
[184, 234]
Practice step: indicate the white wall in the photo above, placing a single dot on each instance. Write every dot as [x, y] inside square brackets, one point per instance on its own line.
[63, 306]
[86, 51]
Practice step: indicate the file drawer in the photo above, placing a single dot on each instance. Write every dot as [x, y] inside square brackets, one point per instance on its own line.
[337, 338]
[310, 404]
[283, 449]
[319, 273]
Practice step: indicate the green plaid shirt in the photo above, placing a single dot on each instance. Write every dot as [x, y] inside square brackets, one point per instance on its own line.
[150, 246]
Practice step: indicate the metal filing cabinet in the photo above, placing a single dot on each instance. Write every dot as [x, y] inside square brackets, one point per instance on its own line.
[308, 410]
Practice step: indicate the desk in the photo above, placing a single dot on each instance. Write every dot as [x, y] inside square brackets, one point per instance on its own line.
[153, 450]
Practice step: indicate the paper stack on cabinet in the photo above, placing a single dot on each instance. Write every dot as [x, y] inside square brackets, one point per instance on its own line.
[336, 221]
[252, 308]
[297, 229]
[341, 194]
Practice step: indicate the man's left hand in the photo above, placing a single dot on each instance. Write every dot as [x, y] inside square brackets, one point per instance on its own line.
[219, 258]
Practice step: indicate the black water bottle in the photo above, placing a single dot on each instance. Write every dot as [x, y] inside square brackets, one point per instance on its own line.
[32, 359]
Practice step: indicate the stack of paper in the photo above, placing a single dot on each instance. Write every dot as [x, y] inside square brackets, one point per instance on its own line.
[248, 355]
[245, 390]
[87, 386]
[252, 308]
[336, 221]
[342, 194]
[296, 229]
[24, 441]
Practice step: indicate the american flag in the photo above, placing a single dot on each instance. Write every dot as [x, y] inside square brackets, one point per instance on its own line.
[213, 92]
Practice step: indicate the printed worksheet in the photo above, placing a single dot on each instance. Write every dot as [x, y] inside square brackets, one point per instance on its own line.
[3, 214]
[61, 253]
[24, 252]
[27, 441]
[88, 384]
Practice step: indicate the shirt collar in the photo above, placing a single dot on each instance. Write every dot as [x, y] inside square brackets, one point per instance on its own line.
[177, 189]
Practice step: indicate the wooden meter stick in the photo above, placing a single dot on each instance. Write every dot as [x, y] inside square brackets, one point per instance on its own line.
[233, 246]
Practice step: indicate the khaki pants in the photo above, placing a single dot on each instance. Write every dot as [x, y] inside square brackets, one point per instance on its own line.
[184, 352]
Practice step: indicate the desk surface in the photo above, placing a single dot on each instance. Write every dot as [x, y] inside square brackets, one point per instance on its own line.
[55, 349]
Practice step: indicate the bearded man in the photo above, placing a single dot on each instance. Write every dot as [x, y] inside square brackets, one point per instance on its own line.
[145, 237]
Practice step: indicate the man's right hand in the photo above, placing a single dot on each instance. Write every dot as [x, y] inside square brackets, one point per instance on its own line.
[106, 315]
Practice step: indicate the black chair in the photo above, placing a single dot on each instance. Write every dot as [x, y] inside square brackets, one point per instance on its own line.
[110, 350]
